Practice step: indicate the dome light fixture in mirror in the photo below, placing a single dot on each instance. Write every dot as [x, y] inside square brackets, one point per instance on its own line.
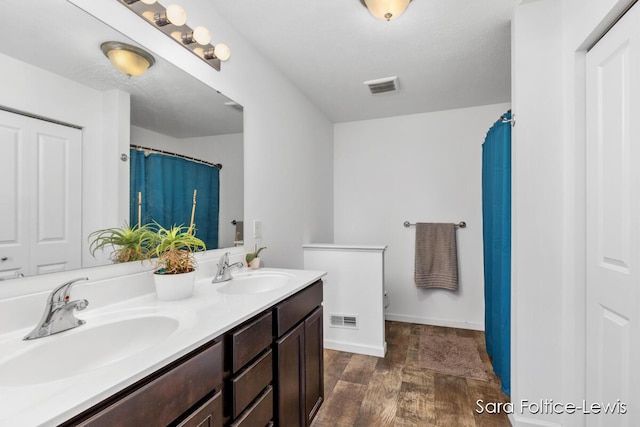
[126, 58]
[385, 10]
[172, 22]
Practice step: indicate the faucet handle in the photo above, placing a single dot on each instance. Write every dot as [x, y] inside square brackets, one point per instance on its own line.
[225, 258]
[61, 293]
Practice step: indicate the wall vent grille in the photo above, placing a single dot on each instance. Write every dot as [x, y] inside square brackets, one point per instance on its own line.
[387, 84]
[348, 321]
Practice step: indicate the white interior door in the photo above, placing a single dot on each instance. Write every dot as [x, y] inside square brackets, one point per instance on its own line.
[14, 207]
[613, 223]
[40, 223]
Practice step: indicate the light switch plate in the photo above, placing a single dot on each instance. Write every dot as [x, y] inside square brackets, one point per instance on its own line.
[257, 229]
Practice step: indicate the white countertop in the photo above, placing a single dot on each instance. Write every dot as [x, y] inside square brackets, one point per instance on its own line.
[203, 317]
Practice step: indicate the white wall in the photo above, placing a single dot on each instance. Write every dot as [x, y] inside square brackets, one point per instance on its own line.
[549, 43]
[420, 168]
[288, 142]
[224, 149]
[537, 199]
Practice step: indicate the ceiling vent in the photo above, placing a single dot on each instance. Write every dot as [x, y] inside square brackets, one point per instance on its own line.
[387, 84]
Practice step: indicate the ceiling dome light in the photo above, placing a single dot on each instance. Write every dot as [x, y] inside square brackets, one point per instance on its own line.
[174, 14]
[127, 59]
[386, 10]
[200, 35]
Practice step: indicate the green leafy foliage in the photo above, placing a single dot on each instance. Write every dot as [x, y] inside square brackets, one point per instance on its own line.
[128, 243]
[253, 255]
[174, 248]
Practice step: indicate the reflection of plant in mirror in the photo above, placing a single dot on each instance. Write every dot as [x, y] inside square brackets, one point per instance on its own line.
[174, 248]
[253, 255]
[128, 243]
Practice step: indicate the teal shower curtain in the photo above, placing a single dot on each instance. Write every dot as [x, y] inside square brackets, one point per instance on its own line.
[167, 184]
[496, 227]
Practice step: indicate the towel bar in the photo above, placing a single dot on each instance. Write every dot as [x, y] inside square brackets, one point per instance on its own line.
[461, 224]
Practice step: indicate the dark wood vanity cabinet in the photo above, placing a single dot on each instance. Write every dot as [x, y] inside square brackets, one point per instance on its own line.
[298, 352]
[266, 372]
[188, 393]
[275, 364]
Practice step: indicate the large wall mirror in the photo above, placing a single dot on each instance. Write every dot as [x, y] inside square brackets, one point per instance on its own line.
[69, 123]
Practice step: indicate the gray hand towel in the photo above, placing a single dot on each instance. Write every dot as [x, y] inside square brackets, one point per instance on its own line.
[436, 264]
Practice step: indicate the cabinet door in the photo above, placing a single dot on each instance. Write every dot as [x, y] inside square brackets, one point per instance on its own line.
[290, 400]
[314, 367]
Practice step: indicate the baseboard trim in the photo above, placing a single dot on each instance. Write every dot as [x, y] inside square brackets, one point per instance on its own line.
[434, 321]
[356, 348]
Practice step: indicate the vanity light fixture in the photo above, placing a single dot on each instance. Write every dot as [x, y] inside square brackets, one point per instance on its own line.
[172, 22]
[127, 59]
[386, 10]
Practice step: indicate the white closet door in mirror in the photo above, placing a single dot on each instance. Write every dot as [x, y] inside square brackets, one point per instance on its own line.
[40, 219]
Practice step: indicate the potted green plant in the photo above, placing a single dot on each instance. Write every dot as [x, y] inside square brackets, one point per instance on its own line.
[128, 243]
[174, 249]
[253, 259]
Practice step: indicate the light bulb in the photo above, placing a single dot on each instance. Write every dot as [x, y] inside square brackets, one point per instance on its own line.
[176, 15]
[222, 52]
[200, 35]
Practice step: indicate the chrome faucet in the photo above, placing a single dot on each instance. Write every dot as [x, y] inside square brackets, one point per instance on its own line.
[58, 314]
[224, 269]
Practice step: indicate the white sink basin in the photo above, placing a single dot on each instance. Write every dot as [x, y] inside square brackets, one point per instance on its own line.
[255, 282]
[82, 349]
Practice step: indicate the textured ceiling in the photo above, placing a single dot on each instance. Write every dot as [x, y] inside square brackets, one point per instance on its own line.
[446, 53]
[57, 36]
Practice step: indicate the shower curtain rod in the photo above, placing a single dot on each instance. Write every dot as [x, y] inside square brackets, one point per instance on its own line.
[124, 157]
[512, 120]
[461, 224]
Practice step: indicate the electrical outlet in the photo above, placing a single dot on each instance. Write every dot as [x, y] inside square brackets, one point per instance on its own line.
[257, 229]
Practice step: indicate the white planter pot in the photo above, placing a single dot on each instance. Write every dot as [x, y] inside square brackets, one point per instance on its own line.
[255, 264]
[171, 287]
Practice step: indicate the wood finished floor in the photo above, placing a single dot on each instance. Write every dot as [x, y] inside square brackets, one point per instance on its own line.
[395, 391]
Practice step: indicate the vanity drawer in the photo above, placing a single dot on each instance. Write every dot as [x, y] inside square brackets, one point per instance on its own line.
[209, 414]
[166, 397]
[295, 308]
[259, 414]
[250, 382]
[250, 340]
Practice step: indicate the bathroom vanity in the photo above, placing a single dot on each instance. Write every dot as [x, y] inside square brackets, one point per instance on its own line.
[246, 352]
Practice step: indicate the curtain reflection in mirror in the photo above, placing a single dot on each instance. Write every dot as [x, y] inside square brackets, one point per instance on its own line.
[166, 184]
